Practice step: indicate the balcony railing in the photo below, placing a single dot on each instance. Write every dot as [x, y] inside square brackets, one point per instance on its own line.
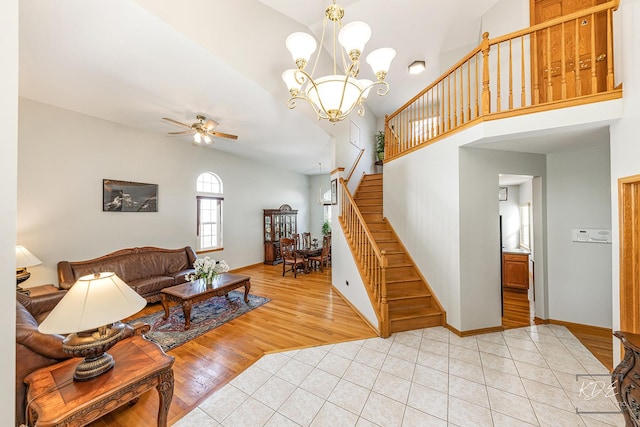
[562, 62]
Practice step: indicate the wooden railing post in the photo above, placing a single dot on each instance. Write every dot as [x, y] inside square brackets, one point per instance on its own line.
[486, 93]
[385, 328]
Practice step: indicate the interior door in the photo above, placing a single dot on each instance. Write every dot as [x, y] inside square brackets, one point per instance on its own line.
[629, 207]
[574, 41]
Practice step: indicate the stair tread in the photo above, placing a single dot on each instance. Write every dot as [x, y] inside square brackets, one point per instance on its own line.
[408, 313]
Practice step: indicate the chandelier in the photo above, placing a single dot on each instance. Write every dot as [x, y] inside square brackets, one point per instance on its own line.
[334, 96]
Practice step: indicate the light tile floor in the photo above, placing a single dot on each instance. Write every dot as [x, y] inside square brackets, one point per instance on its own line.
[538, 375]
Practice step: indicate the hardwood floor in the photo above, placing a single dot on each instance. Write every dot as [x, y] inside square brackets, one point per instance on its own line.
[518, 310]
[303, 312]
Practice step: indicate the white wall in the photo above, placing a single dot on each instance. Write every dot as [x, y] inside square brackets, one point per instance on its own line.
[505, 17]
[510, 212]
[8, 209]
[316, 210]
[625, 150]
[579, 196]
[421, 203]
[60, 174]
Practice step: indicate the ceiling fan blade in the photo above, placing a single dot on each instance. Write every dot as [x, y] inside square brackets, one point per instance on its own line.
[175, 122]
[210, 124]
[184, 132]
[224, 135]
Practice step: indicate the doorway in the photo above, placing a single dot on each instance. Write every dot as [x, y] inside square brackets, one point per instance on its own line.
[515, 195]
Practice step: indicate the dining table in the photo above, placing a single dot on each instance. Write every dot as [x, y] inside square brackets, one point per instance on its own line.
[306, 253]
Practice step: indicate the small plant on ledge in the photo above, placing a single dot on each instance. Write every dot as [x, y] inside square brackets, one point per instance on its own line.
[380, 145]
[207, 269]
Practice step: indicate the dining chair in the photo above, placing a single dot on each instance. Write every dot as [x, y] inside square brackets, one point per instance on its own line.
[306, 240]
[323, 258]
[290, 256]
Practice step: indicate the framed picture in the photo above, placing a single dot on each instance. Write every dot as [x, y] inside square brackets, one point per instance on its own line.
[125, 196]
[502, 194]
[334, 191]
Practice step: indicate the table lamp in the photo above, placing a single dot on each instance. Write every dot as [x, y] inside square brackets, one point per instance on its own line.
[90, 313]
[24, 259]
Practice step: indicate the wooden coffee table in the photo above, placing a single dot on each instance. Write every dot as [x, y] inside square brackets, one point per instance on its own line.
[57, 400]
[190, 293]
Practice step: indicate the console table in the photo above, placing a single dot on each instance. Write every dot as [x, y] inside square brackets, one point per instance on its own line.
[57, 400]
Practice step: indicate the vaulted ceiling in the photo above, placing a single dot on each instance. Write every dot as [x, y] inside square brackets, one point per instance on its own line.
[134, 62]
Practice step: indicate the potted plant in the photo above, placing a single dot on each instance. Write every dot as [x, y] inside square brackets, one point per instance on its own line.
[326, 228]
[380, 145]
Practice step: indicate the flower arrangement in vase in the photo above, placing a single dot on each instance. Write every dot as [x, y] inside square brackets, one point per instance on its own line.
[207, 269]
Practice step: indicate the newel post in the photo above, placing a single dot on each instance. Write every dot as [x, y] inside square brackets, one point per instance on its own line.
[385, 331]
[486, 93]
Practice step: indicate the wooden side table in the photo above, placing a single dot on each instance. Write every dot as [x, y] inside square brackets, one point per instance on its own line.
[57, 400]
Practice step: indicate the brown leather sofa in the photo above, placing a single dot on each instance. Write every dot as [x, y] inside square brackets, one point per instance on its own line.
[147, 270]
[35, 350]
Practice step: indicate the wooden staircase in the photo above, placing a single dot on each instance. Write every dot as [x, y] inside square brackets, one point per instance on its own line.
[410, 300]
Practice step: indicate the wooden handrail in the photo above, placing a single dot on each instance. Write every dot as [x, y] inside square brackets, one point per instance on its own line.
[484, 83]
[355, 163]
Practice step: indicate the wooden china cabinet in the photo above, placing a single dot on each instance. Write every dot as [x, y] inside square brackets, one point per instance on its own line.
[281, 222]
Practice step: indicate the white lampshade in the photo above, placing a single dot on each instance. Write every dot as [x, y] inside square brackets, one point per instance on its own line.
[289, 78]
[197, 137]
[93, 301]
[207, 139]
[329, 90]
[24, 258]
[301, 46]
[380, 59]
[354, 36]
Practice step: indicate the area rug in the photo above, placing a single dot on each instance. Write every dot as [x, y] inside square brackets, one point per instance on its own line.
[205, 316]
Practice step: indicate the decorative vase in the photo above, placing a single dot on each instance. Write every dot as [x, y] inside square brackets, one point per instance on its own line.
[209, 280]
[380, 155]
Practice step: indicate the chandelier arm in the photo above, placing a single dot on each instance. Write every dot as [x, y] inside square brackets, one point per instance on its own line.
[324, 28]
[384, 89]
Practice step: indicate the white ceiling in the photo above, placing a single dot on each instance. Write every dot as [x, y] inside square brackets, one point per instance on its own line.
[134, 62]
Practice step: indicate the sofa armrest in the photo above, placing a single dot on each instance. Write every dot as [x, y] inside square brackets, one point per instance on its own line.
[66, 278]
[191, 255]
[40, 304]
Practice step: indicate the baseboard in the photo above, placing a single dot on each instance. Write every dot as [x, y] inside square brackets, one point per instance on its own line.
[356, 310]
[595, 330]
[474, 331]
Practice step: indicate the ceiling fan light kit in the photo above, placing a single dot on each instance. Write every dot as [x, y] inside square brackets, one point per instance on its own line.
[334, 96]
[202, 130]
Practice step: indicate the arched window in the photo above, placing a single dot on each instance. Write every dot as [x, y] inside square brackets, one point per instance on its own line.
[209, 217]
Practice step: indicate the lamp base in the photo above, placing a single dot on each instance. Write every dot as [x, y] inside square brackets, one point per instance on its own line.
[21, 275]
[92, 367]
[92, 345]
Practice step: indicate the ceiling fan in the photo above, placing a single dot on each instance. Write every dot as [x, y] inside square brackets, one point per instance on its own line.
[202, 130]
